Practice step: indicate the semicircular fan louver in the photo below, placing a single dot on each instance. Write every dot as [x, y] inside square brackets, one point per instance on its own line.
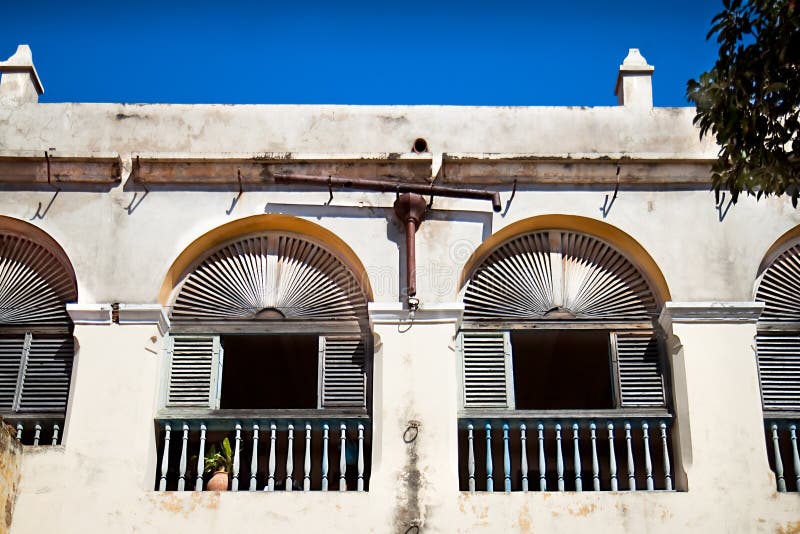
[270, 276]
[780, 288]
[34, 285]
[557, 275]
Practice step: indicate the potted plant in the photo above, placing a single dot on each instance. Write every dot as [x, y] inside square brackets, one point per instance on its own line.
[220, 463]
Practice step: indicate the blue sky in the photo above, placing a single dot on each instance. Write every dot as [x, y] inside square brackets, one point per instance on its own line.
[437, 52]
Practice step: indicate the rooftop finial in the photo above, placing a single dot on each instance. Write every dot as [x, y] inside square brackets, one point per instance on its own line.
[19, 82]
[634, 82]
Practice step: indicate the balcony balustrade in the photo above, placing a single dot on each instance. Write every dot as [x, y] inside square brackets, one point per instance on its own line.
[781, 434]
[526, 451]
[37, 430]
[299, 452]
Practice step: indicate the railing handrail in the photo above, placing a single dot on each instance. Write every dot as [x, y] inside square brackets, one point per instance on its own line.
[782, 416]
[561, 415]
[263, 419]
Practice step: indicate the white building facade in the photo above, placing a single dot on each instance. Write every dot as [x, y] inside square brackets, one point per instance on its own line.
[605, 348]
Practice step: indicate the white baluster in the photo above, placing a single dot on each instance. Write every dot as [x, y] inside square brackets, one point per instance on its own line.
[648, 462]
[778, 459]
[559, 459]
[307, 460]
[55, 435]
[629, 445]
[254, 459]
[542, 463]
[325, 429]
[489, 466]
[182, 464]
[667, 474]
[612, 458]
[343, 459]
[236, 457]
[37, 433]
[360, 457]
[273, 435]
[595, 463]
[162, 484]
[471, 459]
[795, 456]
[506, 461]
[290, 459]
[198, 485]
[575, 436]
[19, 431]
[523, 456]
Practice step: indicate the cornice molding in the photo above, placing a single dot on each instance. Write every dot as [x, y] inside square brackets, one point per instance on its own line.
[396, 313]
[711, 312]
[143, 314]
[90, 314]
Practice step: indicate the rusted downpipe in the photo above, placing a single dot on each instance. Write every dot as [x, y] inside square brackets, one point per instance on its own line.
[410, 209]
[389, 187]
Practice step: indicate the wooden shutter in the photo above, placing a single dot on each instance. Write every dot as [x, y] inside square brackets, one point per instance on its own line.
[534, 275]
[272, 272]
[46, 374]
[637, 360]
[779, 370]
[342, 366]
[780, 288]
[11, 349]
[34, 285]
[487, 370]
[195, 365]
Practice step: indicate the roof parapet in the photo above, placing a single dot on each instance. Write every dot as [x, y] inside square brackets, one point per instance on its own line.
[634, 86]
[19, 83]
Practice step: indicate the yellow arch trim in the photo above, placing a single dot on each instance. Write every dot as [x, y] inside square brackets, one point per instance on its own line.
[260, 223]
[778, 247]
[613, 235]
[36, 234]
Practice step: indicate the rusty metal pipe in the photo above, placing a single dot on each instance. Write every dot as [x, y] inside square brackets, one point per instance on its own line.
[389, 187]
[411, 258]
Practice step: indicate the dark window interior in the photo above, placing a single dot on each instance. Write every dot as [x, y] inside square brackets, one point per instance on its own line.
[562, 369]
[269, 372]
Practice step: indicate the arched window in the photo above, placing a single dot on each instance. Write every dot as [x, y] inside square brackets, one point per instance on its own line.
[778, 344]
[36, 344]
[271, 329]
[560, 339]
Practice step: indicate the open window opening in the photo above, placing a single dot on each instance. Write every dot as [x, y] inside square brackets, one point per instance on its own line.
[270, 372]
[562, 369]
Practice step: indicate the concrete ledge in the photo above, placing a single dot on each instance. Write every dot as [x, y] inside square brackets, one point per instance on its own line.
[711, 312]
[90, 314]
[142, 314]
[396, 313]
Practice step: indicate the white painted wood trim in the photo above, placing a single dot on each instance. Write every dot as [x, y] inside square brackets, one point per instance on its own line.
[89, 314]
[710, 312]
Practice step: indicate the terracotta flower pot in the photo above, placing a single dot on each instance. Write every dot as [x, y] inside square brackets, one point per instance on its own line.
[218, 482]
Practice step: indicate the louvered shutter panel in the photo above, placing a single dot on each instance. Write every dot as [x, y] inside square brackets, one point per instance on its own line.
[779, 370]
[639, 372]
[487, 371]
[194, 371]
[11, 349]
[344, 377]
[46, 374]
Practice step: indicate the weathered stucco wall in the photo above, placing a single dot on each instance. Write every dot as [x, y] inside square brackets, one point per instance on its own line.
[10, 470]
[123, 238]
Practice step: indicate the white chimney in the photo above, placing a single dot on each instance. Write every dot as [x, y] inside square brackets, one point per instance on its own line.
[19, 83]
[635, 81]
